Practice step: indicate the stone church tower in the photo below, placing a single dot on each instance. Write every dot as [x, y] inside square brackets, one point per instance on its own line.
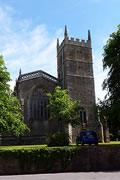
[75, 73]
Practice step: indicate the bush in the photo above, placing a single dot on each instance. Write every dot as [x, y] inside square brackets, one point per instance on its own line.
[35, 159]
[58, 139]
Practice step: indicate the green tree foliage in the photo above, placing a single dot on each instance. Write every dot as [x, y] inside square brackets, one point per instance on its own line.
[10, 109]
[111, 61]
[63, 108]
[58, 139]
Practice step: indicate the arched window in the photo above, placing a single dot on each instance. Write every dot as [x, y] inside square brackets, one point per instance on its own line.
[38, 104]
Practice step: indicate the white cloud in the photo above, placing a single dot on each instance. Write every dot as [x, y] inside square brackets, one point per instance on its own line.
[34, 48]
[26, 47]
[98, 86]
[12, 84]
[99, 75]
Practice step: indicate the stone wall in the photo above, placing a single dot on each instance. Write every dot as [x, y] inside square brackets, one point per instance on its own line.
[22, 140]
[75, 70]
[88, 158]
[25, 86]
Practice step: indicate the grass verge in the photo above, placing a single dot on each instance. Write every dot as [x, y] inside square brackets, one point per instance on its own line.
[25, 147]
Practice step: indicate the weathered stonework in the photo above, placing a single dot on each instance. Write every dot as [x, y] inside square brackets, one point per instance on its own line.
[26, 85]
[75, 73]
[86, 159]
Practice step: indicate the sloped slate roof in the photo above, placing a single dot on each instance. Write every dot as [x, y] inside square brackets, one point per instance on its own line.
[35, 74]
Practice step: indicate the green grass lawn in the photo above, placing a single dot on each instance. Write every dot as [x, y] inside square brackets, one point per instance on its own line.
[22, 147]
[45, 146]
[111, 143]
[34, 147]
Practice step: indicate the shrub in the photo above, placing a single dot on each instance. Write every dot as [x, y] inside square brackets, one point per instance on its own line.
[36, 159]
[58, 139]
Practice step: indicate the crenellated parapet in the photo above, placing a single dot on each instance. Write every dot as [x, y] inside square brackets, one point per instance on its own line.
[73, 41]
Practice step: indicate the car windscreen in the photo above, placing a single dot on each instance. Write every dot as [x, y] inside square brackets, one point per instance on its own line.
[91, 133]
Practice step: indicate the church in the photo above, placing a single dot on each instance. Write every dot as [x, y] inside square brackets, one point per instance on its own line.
[74, 73]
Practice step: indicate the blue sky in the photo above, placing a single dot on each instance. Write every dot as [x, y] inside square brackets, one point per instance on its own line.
[29, 28]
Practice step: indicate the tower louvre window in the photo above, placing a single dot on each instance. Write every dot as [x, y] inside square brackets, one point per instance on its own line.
[83, 118]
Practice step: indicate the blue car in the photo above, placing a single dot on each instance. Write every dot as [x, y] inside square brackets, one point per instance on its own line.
[87, 137]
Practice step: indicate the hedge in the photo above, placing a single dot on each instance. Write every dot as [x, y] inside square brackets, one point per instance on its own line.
[42, 157]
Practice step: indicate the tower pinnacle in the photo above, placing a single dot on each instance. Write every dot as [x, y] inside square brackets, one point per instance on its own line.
[57, 43]
[65, 34]
[89, 36]
[20, 72]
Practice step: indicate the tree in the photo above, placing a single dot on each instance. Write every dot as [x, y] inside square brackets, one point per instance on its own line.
[111, 62]
[10, 109]
[63, 108]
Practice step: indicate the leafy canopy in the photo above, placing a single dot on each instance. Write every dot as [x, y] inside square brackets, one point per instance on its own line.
[63, 108]
[112, 62]
[10, 109]
[111, 104]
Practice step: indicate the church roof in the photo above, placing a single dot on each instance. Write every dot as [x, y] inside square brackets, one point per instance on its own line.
[36, 74]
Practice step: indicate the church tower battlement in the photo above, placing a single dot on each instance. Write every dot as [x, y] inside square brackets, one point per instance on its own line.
[74, 58]
[73, 41]
[75, 73]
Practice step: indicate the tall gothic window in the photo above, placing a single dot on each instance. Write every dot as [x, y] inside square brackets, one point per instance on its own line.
[38, 105]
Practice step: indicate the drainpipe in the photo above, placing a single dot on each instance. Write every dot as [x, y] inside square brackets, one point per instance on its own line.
[61, 121]
[63, 68]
